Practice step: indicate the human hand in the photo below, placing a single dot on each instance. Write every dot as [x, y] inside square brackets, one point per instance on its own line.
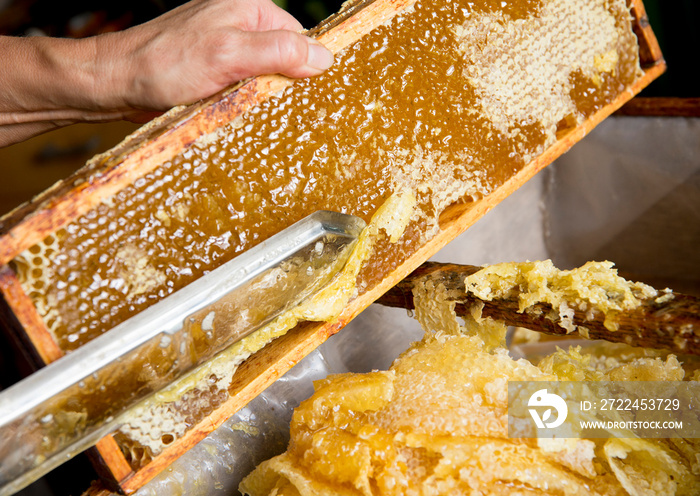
[178, 58]
[202, 47]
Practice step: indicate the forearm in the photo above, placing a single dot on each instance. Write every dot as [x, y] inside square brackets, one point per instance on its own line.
[14, 133]
[50, 82]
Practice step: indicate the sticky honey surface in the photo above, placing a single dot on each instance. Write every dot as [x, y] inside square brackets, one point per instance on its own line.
[448, 99]
[437, 423]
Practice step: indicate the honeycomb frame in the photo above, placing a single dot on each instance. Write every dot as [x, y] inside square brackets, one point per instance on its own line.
[150, 146]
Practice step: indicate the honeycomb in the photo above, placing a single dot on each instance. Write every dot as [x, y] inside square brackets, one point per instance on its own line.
[157, 426]
[594, 287]
[448, 99]
[437, 423]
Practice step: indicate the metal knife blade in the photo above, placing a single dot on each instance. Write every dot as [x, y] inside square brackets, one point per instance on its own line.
[70, 404]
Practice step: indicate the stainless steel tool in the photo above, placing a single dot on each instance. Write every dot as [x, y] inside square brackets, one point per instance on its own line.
[70, 404]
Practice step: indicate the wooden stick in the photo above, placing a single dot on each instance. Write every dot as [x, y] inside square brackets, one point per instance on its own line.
[109, 462]
[673, 325]
[649, 50]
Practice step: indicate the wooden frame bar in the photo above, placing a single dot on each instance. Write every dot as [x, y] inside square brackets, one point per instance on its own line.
[168, 135]
[661, 107]
[32, 326]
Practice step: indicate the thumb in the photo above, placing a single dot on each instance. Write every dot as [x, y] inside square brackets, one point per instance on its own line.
[282, 52]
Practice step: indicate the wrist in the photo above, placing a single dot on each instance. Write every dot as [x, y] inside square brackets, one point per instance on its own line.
[110, 72]
[61, 78]
[50, 82]
[94, 76]
[89, 75]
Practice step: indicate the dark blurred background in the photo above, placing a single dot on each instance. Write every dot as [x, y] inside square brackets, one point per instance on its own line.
[30, 167]
[675, 26]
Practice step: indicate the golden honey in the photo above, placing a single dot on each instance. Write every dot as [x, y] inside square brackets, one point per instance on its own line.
[437, 421]
[157, 421]
[448, 99]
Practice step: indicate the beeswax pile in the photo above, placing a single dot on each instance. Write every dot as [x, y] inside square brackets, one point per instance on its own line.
[436, 423]
[448, 100]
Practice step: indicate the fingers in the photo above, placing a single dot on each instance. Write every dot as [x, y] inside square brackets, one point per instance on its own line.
[280, 52]
[272, 17]
[184, 59]
[284, 20]
[281, 19]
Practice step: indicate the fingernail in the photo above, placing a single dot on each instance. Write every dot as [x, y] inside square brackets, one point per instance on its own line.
[319, 57]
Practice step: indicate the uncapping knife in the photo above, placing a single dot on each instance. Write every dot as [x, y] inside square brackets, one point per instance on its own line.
[71, 403]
